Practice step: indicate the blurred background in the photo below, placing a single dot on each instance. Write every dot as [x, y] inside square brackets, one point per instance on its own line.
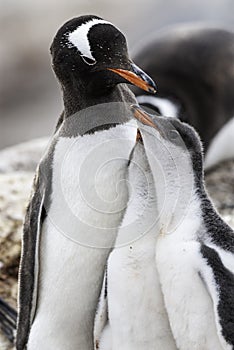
[30, 100]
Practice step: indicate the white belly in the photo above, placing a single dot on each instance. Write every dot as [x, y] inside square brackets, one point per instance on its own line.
[189, 305]
[89, 196]
[137, 315]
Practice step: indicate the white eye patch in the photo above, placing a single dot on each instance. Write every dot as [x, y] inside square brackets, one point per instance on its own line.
[88, 60]
[79, 39]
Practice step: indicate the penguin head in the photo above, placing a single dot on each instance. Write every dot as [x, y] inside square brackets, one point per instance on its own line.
[92, 53]
[175, 133]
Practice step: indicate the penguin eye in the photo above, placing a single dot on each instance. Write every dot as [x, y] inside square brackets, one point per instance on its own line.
[88, 60]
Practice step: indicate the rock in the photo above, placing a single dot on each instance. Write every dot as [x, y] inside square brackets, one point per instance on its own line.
[4, 343]
[23, 157]
[220, 185]
[15, 189]
[14, 193]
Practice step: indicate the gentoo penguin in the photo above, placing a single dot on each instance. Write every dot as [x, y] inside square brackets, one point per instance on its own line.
[137, 318]
[193, 255]
[193, 66]
[80, 193]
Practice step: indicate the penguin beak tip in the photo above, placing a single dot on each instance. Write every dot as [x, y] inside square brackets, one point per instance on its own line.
[142, 116]
[136, 77]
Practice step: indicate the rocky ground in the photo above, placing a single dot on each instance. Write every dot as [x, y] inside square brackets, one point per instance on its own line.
[17, 166]
[220, 185]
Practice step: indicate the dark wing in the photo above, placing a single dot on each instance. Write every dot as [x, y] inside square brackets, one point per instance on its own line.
[29, 263]
[28, 273]
[221, 290]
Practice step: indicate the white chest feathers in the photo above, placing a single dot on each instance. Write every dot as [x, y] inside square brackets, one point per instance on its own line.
[88, 199]
[137, 316]
[89, 184]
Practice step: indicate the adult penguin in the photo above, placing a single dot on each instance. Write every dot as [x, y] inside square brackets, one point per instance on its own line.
[74, 213]
[193, 65]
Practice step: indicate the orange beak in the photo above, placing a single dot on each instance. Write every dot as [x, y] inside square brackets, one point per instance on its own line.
[137, 77]
[143, 117]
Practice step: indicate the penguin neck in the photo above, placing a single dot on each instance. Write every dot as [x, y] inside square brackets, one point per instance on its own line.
[178, 196]
[76, 98]
[215, 230]
[189, 213]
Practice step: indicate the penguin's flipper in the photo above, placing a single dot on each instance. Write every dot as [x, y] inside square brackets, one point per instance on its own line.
[217, 272]
[29, 264]
[101, 318]
[7, 320]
